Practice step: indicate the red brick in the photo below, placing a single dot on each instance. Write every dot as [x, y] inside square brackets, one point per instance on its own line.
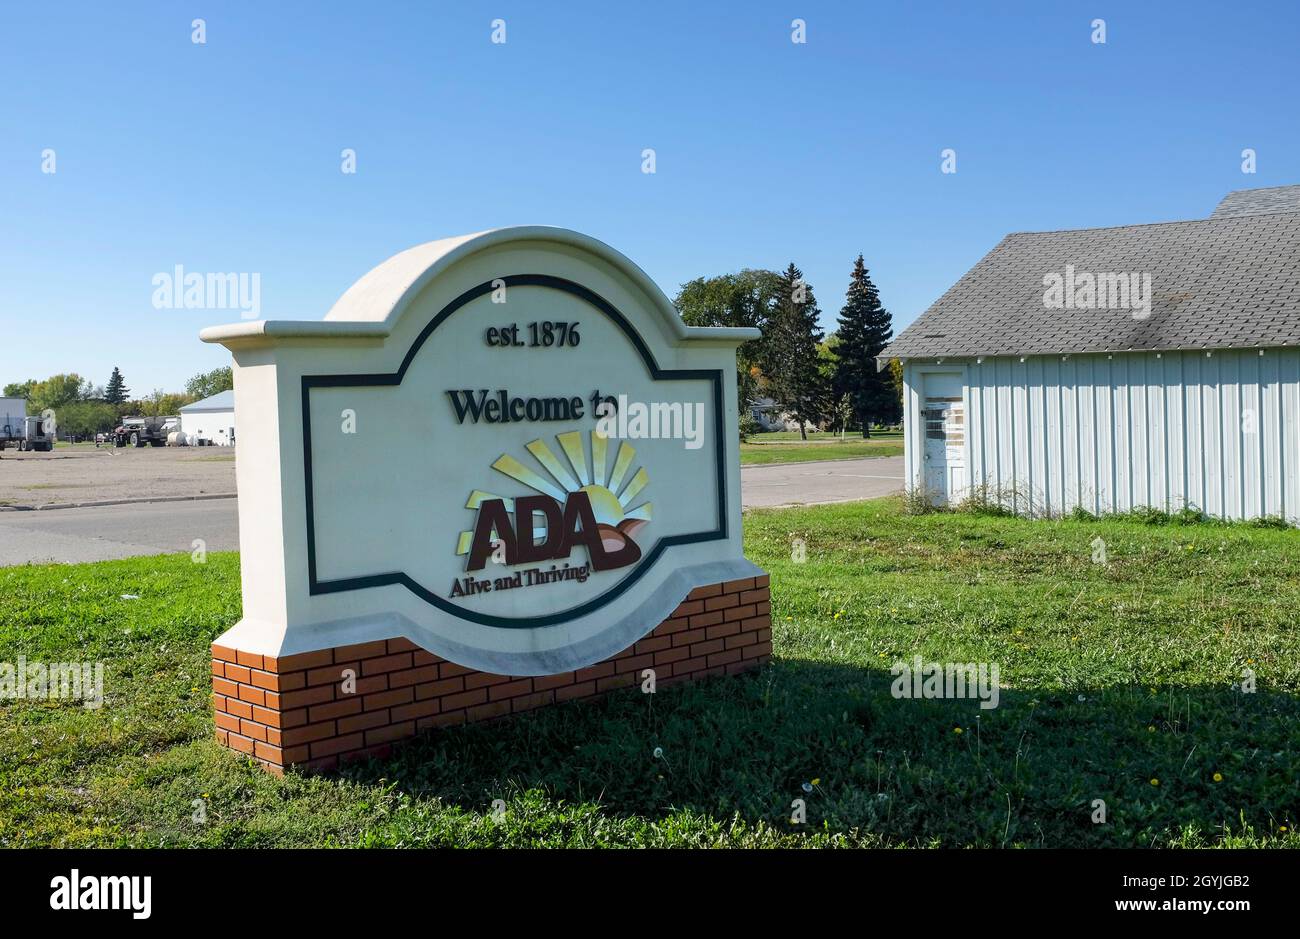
[218, 668]
[251, 659]
[223, 737]
[636, 663]
[307, 696]
[271, 699]
[226, 721]
[724, 658]
[412, 676]
[670, 626]
[738, 586]
[763, 609]
[452, 719]
[486, 712]
[654, 644]
[219, 702]
[295, 754]
[690, 665]
[267, 716]
[615, 681]
[758, 651]
[708, 590]
[420, 657]
[599, 670]
[299, 662]
[711, 618]
[581, 690]
[547, 682]
[756, 596]
[267, 752]
[757, 622]
[252, 695]
[668, 656]
[707, 648]
[764, 635]
[239, 708]
[387, 699]
[238, 673]
[223, 653]
[722, 629]
[226, 687]
[242, 744]
[484, 679]
[410, 711]
[465, 699]
[365, 721]
[721, 603]
[362, 650]
[436, 689]
[510, 689]
[687, 607]
[451, 670]
[402, 645]
[387, 663]
[762, 580]
[294, 718]
[390, 733]
[273, 736]
[529, 701]
[252, 729]
[738, 613]
[332, 674]
[686, 638]
[309, 733]
[333, 709]
[740, 639]
[336, 745]
[266, 680]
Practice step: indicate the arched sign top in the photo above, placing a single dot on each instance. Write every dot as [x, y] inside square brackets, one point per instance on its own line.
[375, 303]
[505, 447]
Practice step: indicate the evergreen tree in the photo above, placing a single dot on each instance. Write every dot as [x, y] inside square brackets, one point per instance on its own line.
[793, 359]
[116, 391]
[865, 328]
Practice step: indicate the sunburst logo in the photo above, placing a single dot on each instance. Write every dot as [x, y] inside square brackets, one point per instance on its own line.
[580, 503]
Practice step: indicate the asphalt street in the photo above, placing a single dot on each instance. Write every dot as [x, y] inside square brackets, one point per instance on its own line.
[101, 533]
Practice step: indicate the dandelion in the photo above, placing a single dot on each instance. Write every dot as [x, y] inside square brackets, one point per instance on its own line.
[1154, 781]
[1218, 777]
[957, 730]
[659, 753]
[1151, 728]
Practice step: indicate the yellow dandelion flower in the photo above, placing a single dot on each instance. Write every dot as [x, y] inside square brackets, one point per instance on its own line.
[1218, 777]
[1151, 729]
[1154, 781]
[956, 730]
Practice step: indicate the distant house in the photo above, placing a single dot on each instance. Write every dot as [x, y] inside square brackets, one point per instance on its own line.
[1148, 365]
[211, 420]
[772, 415]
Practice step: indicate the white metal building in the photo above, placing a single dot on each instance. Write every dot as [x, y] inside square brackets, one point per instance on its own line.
[1144, 366]
[212, 419]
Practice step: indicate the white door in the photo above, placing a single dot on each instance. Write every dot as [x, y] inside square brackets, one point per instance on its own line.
[945, 436]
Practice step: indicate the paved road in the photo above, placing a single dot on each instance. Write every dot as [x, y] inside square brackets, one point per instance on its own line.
[115, 531]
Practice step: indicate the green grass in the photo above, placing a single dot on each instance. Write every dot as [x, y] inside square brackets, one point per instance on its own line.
[1115, 675]
[762, 448]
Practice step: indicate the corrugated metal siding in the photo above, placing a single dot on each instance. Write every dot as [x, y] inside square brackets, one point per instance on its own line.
[1113, 433]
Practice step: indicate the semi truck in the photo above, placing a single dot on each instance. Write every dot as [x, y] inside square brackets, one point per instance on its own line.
[145, 431]
[21, 432]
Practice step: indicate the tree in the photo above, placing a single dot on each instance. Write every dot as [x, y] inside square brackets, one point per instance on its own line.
[742, 299]
[792, 360]
[21, 389]
[207, 384]
[84, 418]
[116, 391]
[54, 392]
[865, 328]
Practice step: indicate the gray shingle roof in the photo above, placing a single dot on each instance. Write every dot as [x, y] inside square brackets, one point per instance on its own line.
[1259, 202]
[1227, 281]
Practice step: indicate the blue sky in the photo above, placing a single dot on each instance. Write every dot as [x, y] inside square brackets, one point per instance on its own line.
[226, 156]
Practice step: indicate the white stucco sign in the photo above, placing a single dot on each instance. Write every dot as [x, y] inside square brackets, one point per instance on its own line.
[505, 447]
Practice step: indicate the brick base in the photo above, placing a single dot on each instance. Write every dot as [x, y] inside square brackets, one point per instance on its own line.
[293, 711]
